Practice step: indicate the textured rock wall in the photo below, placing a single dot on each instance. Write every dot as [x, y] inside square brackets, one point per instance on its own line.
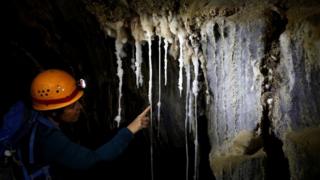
[235, 48]
[296, 111]
[292, 74]
[235, 58]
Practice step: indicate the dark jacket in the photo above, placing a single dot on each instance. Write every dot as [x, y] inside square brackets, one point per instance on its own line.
[52, 146]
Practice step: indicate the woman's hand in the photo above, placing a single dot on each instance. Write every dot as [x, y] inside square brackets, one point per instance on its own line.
[140, 122]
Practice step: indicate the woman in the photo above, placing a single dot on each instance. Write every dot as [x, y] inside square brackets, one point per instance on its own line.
[55, 94]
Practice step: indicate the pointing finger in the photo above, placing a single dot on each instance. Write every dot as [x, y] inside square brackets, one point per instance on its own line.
[146, 110]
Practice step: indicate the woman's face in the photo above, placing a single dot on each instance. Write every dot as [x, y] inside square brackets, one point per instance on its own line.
[71, 113]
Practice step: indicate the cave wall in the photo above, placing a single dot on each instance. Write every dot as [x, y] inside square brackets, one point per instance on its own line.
[257, 108]
[279, 63]
[296, 112]
[235, 48]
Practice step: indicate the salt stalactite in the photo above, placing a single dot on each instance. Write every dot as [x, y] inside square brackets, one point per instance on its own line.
[203, 53]
[138, 35]
[159, 101]
[149, 36]
[133, 59]
[195, 83]
[138, 62]
[166, 45]
[147, 26]
[204, 39]
[195, 90]
[120, 40]
[188, 114]
[181, 60]
[118, 46]
[166, 33]
[204, 70]
[177, 29]
[165, 29]
[187, 118]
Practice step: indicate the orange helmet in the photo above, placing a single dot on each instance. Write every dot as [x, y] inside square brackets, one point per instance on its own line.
[54, 89]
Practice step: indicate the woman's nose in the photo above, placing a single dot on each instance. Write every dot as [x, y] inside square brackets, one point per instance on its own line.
[78, 106]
